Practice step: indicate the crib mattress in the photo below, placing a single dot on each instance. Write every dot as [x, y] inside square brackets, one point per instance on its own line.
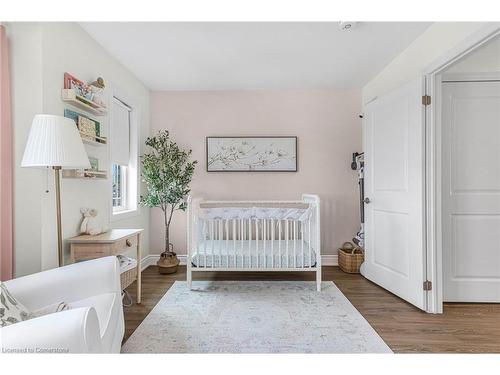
[249, 255]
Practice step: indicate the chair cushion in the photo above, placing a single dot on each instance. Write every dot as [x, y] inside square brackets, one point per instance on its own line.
[11, 310]
[107, 308]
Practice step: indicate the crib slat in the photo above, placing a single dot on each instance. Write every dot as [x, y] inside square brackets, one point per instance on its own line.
[213, 244]
[295, 244]
[272, 243]
[309, 241]
[205, 239]
[256, 242]
[264, 231]
[302, 244]
[234, 242]
[287, 238]
[226, 251]
[279, 242]
[241, 243]
[220, 242]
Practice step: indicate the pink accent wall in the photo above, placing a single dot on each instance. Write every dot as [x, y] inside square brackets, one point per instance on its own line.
[328, 129]
[6, 162]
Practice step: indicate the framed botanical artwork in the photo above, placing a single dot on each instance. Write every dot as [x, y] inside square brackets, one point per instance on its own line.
[251, 154]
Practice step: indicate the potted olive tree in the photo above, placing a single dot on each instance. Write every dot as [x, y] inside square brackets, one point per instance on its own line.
[167, 172]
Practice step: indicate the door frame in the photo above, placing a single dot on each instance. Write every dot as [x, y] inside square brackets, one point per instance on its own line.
[433, 215]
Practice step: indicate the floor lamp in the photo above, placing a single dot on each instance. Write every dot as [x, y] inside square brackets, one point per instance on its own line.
[54, 142]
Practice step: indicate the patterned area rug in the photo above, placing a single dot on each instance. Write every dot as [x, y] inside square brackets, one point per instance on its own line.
[254, 317]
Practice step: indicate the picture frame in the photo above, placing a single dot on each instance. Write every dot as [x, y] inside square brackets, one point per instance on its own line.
[251, 154]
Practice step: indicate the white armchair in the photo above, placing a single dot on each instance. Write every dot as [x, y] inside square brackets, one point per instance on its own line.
[95, 322]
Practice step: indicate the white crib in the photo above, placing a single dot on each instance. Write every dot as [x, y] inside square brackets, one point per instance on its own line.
[254, 236]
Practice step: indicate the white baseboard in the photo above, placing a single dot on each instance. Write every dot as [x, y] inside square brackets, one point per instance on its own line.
[330, 260]
[150, 260]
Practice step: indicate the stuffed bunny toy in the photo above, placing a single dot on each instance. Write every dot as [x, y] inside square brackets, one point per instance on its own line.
[89, 224]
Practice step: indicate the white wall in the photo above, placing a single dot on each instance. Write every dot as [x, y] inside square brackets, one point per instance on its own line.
[435, 41]
[485, 59]
[37, 80]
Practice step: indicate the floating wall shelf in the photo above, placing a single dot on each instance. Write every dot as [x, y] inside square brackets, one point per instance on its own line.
[69, 96]
[87, 174]
[94, 140]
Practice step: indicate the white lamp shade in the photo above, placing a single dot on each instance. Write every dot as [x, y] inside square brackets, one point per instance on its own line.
[54, 141]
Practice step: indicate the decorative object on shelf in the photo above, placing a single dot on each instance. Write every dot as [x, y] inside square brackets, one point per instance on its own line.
[97, 88]
[90, 225]
[87, 128]
[69, 96]
[54, 142]
[350, 258]
[99, 83]
[167, 172]
[97, 140]
[94, 164]
[80, 88]
[251, 154]
[88, 97]
[75, 117]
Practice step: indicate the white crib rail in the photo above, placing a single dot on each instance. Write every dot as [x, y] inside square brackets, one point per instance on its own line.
[254, 244]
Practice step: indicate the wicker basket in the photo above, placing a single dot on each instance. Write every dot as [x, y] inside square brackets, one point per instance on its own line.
[350, 258]
[128, 277]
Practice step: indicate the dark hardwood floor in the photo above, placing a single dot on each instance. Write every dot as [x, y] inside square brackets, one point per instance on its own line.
[463, 328]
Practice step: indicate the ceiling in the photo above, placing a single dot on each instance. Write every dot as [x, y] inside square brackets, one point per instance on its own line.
[246, 56]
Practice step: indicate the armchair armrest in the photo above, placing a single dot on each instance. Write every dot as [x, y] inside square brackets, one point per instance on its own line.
[71, 331]
[67, 284]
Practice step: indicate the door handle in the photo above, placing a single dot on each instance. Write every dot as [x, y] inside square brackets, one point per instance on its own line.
[367, 200]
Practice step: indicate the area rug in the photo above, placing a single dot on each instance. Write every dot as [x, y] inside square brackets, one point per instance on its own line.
[254, 317]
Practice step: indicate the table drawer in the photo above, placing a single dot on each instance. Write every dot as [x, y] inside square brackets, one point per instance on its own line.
[124, 244]
[91, 251]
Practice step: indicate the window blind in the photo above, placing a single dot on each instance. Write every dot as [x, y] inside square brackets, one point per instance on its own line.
[120, 133]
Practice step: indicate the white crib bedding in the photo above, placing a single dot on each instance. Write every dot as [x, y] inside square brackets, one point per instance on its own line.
[249, 256]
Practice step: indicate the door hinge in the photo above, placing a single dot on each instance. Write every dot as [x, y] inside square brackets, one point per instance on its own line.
[427, 285]
[426, 100]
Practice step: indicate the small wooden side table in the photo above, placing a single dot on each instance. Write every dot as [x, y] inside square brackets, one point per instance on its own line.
[113, 242]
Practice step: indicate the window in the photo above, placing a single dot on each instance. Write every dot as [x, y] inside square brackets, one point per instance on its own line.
[123, 159]
[119, 178]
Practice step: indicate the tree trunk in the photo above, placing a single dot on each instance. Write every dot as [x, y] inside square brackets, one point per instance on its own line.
[167, 217]
[167, 232]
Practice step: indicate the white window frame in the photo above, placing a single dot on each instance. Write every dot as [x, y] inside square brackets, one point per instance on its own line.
[131, 186]
[123, 182]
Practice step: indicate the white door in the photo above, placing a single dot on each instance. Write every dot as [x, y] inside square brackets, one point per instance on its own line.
[394, 182]
[471, 191]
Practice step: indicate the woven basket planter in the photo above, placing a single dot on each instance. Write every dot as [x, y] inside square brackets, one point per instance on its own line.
[350, 258]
